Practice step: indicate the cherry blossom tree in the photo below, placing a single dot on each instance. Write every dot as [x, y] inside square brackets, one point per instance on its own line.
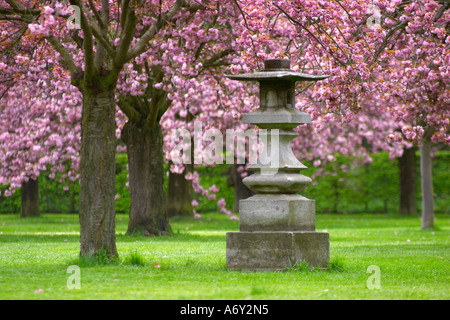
[159, 61]
[216, 109]
[182, 60]
[111, 34]
[39, 124]
[395, 51]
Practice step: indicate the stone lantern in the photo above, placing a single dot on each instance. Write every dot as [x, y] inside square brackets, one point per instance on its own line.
[277, 225]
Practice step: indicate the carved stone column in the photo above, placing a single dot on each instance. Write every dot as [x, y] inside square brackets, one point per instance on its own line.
[277, 225]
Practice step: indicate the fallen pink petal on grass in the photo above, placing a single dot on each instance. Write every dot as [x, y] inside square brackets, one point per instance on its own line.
[38, 291]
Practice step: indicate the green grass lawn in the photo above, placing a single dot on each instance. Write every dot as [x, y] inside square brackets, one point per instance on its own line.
[35, 254]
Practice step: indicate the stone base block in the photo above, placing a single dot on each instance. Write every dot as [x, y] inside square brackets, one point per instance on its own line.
[273, 251]
[277, 212]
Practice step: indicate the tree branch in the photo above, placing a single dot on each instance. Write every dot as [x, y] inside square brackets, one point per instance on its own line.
[124, 11]
[89, 67]
[353, 20]
[140, 46]
[12, 18]
[126, 37]
[216, 57]
[440, 11]
[68, 61]
[96, 15]
[18, 8]
[385, 42]
[312, 34]
[102, 35]
[105, 12]
[99, 31]
[126, 106]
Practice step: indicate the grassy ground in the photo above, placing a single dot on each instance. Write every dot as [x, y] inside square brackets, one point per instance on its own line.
[35, 254]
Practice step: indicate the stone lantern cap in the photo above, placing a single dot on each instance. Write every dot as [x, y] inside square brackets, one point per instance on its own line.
[277, 69]
[277, 95]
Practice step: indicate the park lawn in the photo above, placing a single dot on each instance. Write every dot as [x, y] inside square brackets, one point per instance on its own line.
[36, 252]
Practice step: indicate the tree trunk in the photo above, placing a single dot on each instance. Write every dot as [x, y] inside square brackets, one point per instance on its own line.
[366, 188]
[336, 195]
[426, 181]
[241, 191]
[407, 173]
[73, 205]
[180, 194]
[148, 210]
[97, 172]
[29, 199]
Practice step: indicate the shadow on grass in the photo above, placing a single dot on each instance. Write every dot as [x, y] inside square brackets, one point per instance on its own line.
[131, 258]
[120, 237]
[39, 238]
[176, 237]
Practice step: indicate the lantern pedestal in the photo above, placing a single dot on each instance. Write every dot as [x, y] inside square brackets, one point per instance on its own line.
[276, 250]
